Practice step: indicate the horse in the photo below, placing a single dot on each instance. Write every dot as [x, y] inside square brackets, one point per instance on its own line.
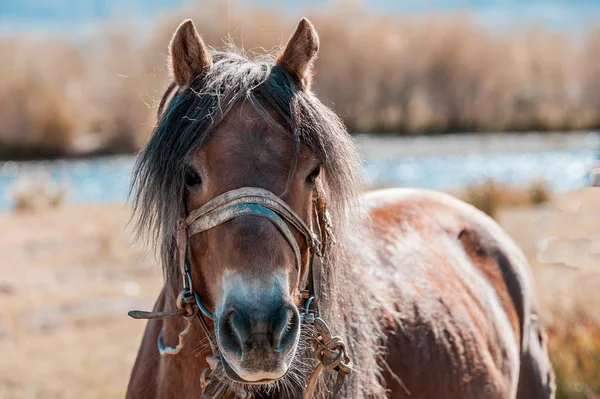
[284, 278]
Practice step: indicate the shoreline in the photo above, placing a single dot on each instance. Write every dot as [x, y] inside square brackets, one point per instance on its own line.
[386, 145]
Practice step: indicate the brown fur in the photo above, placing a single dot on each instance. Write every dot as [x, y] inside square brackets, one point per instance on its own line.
[433, 339]
[448, 294]
[243, 151]
[300, 52]
[189, 56]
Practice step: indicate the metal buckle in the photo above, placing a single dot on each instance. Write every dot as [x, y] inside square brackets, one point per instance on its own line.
[187, 285]
[308, 317]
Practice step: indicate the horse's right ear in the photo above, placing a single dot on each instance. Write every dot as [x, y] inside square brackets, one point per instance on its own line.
[189, 55]
[300, 52]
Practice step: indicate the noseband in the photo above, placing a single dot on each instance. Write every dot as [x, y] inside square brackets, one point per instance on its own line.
[252, 201]
[249, 201]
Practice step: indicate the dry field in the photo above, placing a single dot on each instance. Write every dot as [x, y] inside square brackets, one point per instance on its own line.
[68, 277]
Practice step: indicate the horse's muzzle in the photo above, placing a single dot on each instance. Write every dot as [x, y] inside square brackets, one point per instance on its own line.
[258, 343]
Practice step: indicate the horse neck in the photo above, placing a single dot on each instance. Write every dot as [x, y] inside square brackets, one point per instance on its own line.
[352, 311]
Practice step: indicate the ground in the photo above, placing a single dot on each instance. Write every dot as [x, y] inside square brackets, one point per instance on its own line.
[69, 275]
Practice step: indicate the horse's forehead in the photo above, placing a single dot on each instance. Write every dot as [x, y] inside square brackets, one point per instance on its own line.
[246, 135]
[246, 147]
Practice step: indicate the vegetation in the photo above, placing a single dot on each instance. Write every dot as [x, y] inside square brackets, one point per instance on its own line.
[381, 72]
[574, 343]
[41, 193]
[491, 196]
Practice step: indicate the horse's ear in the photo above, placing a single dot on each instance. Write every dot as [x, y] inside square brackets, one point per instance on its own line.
[189, 55]
[300, 52]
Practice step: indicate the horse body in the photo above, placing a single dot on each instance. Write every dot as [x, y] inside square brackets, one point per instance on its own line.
[429, 297]
[461, 299]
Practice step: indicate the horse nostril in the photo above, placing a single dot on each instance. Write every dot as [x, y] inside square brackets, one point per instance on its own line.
[285, 325]
[275, 331]
[233, 331]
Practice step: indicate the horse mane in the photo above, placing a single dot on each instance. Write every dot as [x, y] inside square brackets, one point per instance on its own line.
[187, 116]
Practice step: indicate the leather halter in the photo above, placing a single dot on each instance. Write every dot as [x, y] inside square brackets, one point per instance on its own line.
[240, 202]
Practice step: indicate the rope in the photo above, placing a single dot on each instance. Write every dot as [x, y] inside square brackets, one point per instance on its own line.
[330, 352]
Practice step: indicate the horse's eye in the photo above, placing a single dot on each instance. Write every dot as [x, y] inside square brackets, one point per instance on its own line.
[192, 179]
[312, 177]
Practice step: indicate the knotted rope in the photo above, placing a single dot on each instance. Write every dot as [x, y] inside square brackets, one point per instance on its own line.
[330, 352]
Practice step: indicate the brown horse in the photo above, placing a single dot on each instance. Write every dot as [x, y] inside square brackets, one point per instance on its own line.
[251, 185]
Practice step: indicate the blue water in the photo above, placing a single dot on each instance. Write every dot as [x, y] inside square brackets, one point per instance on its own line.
[563, 170]
[93, 180]
[106, 179]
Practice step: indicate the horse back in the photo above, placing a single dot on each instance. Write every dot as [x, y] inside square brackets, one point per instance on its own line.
[457, 301]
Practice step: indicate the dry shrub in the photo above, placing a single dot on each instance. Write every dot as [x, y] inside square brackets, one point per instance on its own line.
[590, 75]
[381, 72]
[490, 196]
[121, 102]
[595, 176]
[33, 194]
[446, 73]
[484, 197]
[36, 118]
[540, 192]
[574, 346]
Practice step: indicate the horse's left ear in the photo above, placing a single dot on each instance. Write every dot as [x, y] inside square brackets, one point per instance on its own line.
[300, 52]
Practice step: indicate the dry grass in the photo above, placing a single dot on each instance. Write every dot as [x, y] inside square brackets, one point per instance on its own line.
[37, 194]
[381, 72]
[68, 276]
[562, 242]
[35, 116]
[491, 197]
[574, 342]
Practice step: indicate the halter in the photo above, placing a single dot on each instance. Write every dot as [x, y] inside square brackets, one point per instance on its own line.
[330, 351]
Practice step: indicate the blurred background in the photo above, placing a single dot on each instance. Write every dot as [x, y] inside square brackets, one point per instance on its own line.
[496, 102]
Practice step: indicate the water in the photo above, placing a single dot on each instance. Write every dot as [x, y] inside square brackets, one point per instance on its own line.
[106, 179]
[92, 180]
[563, 170]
